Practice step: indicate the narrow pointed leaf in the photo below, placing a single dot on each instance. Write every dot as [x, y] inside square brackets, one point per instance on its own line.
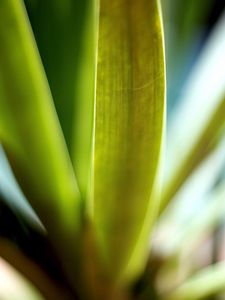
[30, 132]
[200, 119]
[203, 284]
[82, 126]
[195, 208]
[65, 33]
[129, 117]
[186, 238]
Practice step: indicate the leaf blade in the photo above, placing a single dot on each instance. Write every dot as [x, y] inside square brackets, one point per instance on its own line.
[184, 157]
[205, 283]
[66, 33]
[31, 134]
[129, 121]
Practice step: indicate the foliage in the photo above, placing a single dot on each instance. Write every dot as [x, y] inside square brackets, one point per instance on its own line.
[86, 211]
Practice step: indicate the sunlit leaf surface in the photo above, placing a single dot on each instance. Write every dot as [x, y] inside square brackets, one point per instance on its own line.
[30, 132]
[129, 117]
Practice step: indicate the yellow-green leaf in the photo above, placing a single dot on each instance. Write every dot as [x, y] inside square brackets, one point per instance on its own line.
[203, 284]
[82, 125]
[69, 40]
[30, 132]
[129, 118]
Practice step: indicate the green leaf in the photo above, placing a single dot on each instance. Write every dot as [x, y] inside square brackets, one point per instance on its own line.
[65, 31]
[129, 118]
[82, 134]
[31, 135]
[206, 282]
[58, 28]
[200, 119]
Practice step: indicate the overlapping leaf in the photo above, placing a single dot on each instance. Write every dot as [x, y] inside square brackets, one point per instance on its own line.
[203, 284]
[129, 117]
[66, 35]
[30, 132]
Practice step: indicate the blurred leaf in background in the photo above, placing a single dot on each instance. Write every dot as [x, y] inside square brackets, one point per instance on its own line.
[188, 24]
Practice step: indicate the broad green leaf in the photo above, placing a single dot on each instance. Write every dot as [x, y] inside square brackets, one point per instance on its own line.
[65, 32]
[206, 282]
[30, 132]
[129, 118]
[200, 119]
